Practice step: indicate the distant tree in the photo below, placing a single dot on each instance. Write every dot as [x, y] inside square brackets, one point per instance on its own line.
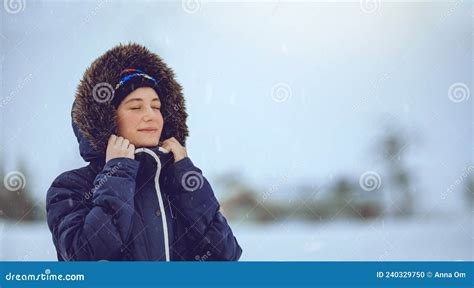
[469, 189]
[393, 147]
[16, 201]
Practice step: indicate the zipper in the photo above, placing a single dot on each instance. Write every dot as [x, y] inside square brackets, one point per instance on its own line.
[160, 199]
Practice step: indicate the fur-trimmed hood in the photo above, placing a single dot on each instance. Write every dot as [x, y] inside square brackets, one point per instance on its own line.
[94, 117]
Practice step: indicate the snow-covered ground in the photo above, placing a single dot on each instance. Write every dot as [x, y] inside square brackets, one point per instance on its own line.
[443, 239]
[26, 242]
[439, 238]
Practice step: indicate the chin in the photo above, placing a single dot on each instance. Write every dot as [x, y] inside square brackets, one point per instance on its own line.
[150, 143]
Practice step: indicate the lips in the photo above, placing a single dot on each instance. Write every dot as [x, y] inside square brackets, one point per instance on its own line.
[149, 130]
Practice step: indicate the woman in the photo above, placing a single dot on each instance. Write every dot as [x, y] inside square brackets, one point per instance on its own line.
[140, 197]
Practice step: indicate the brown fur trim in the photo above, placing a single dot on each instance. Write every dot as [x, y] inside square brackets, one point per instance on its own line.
[96, 119]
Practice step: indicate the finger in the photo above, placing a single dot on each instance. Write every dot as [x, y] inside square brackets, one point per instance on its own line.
[131, 151]
[174, 140]
[167, 146]
[165, 150]
[131, 148]
[119, 141]
[112, 139]
[125, 144]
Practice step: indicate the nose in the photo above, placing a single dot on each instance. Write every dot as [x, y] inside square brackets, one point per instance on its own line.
[149, 115]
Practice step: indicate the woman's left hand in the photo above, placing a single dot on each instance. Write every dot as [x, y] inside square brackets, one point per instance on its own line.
[172, 145]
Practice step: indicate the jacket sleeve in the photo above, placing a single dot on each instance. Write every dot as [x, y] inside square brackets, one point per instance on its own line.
[92, 223]
[208, 234]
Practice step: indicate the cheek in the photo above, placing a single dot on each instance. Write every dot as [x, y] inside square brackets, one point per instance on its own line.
[160, 120]
[127, 122]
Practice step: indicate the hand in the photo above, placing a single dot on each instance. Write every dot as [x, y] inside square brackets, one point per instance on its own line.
[119, 147]
[172, 145]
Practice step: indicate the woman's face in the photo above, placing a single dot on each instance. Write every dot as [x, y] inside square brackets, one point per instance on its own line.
[139, 117]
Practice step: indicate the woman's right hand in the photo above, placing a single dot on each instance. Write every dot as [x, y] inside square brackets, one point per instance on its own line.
[119, 147]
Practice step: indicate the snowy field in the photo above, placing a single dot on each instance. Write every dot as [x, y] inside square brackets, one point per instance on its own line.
[446, 238]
